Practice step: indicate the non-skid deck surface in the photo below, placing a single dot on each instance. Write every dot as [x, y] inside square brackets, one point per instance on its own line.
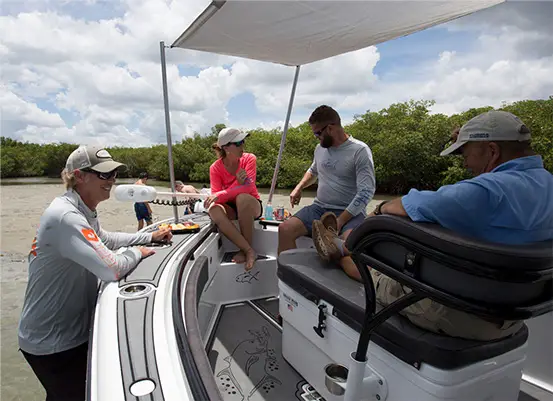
[269, 306]
[246, 358]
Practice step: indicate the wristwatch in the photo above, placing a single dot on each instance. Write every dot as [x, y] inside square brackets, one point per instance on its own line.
[377, 210]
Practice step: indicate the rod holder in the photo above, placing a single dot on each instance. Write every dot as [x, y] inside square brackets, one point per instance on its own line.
[336, 377]
[356, 383]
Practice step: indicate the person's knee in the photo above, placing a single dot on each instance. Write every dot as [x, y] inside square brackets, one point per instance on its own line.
[245, 203]
[292, 228]
[244, 199]
[216, 213]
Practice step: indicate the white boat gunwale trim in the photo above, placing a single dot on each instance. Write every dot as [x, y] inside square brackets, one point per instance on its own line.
[135, 316]
[198, 360]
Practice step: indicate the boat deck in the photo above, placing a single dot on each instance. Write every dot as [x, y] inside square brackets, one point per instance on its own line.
[246, 356]
[245, 353]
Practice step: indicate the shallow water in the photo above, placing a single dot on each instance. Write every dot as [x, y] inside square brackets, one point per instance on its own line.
[22, 203]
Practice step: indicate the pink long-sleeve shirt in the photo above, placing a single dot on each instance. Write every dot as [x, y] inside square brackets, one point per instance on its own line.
[226, 186]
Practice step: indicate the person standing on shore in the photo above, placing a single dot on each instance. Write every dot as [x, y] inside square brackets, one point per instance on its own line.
[143, 210]
[68, 256]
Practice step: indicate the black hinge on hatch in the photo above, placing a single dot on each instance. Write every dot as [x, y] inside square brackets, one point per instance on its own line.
[322, 317]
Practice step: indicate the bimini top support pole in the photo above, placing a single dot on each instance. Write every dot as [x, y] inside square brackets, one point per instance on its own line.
[283, 138]
[168, 128]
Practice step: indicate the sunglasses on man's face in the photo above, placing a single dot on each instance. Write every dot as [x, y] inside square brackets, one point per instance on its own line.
[103, 176]
[320, 132]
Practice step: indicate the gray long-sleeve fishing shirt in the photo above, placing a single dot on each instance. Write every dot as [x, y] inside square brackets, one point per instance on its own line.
[69, 254]
[346, 178]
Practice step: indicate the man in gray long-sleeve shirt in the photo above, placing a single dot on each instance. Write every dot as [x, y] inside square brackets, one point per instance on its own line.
[69, 254]
[346, 182]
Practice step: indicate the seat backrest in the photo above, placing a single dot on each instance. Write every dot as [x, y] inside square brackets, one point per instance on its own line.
[489, 279]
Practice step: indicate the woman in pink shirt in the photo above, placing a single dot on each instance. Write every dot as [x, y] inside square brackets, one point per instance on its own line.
[234, 194]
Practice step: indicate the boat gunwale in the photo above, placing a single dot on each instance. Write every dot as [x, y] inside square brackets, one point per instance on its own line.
[197, 351]
[186, 350]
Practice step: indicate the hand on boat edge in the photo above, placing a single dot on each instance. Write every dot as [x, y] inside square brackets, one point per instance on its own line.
[146, 251]
[162, 235]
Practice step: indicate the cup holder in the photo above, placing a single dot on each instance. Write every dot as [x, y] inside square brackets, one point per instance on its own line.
[135, 290]
[336, 377]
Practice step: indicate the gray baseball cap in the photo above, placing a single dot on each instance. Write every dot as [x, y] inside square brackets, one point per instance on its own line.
[491, 126]
[228, 135]
[91, 157]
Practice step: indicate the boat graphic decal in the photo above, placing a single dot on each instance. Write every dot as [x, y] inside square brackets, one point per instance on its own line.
[247, 277]
[261, 364]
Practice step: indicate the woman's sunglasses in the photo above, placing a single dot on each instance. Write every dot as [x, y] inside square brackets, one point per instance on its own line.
[103, 176]
[239, 143]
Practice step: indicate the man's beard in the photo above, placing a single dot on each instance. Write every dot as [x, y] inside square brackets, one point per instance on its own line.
[327, 141]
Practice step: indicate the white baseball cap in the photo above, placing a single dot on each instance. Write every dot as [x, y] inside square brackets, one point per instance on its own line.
[490, 127]
[91, 157]
[228, 135]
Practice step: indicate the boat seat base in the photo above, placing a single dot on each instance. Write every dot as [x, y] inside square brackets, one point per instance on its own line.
[305, 272]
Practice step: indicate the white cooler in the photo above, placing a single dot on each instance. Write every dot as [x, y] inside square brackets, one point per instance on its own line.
[414, 365]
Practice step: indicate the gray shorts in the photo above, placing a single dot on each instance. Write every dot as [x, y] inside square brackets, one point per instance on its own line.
[314, 212]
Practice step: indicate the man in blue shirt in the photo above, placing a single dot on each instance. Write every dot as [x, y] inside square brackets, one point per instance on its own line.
[510, 201]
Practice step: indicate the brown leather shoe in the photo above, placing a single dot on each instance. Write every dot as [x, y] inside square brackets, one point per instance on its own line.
[330, 221]
[324, 242]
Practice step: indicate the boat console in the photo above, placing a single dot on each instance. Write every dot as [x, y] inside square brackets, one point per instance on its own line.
[346, 345]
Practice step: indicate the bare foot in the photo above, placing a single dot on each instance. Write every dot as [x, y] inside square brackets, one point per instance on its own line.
[239, 257]
[251, 257]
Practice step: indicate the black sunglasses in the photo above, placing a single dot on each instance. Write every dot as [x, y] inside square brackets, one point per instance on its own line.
[103, 176]
[320, 132]
[239, 143]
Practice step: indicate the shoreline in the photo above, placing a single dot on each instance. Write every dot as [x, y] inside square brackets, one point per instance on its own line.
[43, 180]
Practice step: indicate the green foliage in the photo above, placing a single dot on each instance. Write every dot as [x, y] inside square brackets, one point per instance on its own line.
[538, 116]
[405, 139]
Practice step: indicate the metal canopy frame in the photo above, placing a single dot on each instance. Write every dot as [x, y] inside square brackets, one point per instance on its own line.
[470, 6]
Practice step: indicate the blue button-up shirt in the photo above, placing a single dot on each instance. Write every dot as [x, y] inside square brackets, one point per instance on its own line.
[513, 204]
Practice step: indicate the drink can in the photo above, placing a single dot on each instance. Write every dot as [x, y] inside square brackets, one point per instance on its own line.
[279, 213]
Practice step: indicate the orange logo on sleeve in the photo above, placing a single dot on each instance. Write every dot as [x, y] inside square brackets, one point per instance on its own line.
[33, 247]
[90, 235]
[34, 244]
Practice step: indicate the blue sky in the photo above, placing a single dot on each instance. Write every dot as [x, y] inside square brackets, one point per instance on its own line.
[89, 71]
[407, 52]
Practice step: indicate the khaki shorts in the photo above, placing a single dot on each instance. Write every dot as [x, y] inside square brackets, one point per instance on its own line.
[440, 319]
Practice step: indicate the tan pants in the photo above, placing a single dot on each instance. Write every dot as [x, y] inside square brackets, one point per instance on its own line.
[440, 319]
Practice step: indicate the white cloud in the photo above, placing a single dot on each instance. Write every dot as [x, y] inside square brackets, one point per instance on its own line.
[17, 113]
[328, 81]
[107, 75]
